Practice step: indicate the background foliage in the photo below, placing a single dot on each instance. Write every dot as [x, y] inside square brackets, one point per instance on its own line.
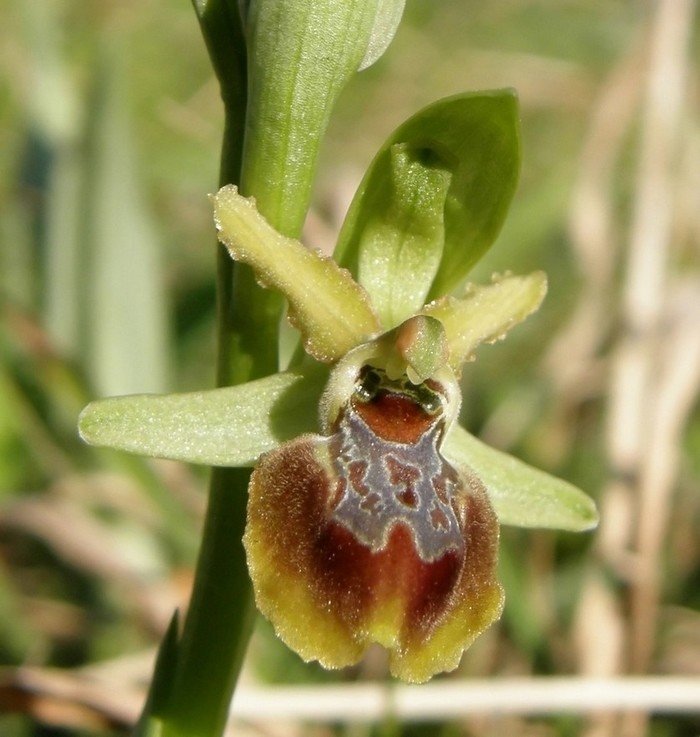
[110, 128]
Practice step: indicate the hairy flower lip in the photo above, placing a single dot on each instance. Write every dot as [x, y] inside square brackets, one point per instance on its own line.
[370, 532]
[330, 595]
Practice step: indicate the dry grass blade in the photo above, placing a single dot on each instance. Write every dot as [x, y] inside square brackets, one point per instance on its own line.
[67, 699]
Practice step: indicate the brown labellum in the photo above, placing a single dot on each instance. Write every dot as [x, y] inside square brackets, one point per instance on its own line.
[370, 535]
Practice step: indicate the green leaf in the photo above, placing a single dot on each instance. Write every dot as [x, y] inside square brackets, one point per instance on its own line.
[149, 724]
[230, 426]
[486, 312]
[329, 308]
[476, 138]
[521, 495]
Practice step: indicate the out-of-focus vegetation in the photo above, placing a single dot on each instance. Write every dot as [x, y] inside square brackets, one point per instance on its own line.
[110, 126]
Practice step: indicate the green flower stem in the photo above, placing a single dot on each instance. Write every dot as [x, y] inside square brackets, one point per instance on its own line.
[221, 610]
[220, 617]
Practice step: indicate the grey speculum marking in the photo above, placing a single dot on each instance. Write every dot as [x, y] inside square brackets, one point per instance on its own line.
[383, 483]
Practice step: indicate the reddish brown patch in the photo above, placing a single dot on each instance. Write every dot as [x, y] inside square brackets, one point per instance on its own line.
[481, 535]
[394, 417]
[357, 580]
[438, 519]
[358, 470]
[345, 573]
[427, 587]
[290, 490]
[408, 498]
[403, 474]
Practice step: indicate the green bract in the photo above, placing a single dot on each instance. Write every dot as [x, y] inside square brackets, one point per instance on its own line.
[430, 205]
[301, 55]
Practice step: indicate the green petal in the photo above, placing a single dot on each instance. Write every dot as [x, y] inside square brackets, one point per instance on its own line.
[521, 495]
[400, 230]
[331, 310]
[486, 313]
[473, 137]
[231, 426]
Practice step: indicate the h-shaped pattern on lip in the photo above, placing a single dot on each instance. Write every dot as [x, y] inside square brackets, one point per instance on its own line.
[382, 483]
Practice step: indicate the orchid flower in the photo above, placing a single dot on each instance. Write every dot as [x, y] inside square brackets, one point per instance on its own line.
[372, 515]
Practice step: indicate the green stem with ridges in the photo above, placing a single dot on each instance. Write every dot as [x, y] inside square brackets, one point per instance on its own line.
[221, 613]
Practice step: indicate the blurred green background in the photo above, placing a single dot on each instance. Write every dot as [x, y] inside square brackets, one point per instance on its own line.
[110, 127]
